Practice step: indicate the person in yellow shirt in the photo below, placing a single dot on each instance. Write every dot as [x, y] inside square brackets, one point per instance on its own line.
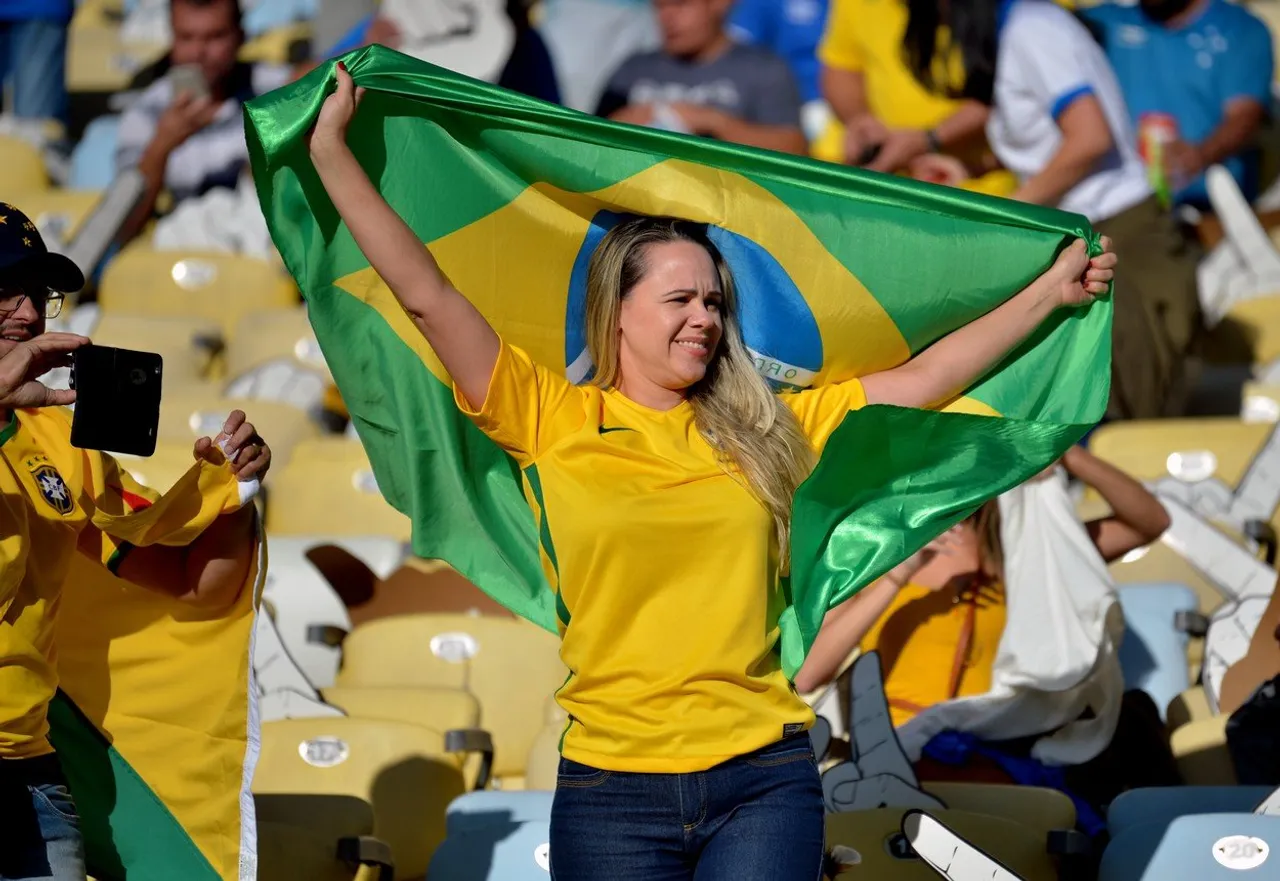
[56, 500]
[887, 119]
[936, 619]
[666, 484]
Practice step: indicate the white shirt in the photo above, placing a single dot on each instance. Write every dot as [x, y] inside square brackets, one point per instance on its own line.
[214, 156]
[1046, 60]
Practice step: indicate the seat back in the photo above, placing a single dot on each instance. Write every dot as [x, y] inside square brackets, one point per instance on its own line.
[330, 490]
[298, 835]
[274, 356]
[400, 769]
[192, 413]
[1036, 807]
[496, 836]
[885, 852]
[1163, 804]
[510, 665]
[312, 581]
[1206, 847]
[221, 287]
[1153, 654]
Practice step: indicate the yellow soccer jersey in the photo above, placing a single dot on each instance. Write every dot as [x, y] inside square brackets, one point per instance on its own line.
[665, 567]
[56, 500]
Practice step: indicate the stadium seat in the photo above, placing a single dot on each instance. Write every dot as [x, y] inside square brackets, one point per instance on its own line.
[22, 169]
[221, 287]
[1200, 749]
[93, 161]
[1042, 810]
[330, 490]
[97, 60]
[193, 413]
[1163, 804]
[187, 344]
[274, 356]
[320, 838]
[510, 665]
[1149, 450]
[398, 768]
[312, 582]
[1188, 706]
[58, 214]
[1206, 847]
[1153, 654]
[885, 853]
[437, 709]
[1260, 320]
[161, 470]
[495, 836]
[542, 767]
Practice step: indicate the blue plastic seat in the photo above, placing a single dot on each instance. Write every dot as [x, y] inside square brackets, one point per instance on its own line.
[1153, 654]
[1164, 804]
[1195, 846]
[495, 836]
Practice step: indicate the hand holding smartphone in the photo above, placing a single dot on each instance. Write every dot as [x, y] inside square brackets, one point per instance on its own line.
[117, 399]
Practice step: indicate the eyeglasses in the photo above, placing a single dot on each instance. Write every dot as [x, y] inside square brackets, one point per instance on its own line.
[50, 302]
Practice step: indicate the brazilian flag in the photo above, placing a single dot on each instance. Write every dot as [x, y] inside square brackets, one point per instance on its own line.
[840, 273]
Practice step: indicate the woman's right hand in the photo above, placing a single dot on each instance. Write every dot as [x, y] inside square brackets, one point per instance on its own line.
[947, 543]
[330, 129]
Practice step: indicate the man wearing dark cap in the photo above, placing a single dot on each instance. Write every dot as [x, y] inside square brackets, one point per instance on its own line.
[56, 500]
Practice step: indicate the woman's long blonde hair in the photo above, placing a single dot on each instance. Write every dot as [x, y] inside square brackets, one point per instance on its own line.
[734, 408]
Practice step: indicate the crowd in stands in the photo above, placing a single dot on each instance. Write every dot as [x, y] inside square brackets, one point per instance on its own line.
[1113, 111]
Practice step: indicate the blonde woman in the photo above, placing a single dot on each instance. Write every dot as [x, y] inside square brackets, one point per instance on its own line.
[667, 484]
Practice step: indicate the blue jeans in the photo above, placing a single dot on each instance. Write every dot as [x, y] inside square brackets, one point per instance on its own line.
[40, 836]
[34, 54]
[758, 817]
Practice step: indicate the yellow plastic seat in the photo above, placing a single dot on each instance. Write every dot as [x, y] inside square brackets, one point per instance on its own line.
[1200, 748]
[510, 665]
[274, 355]
[274, 46]
[436, 709]
[161, 470]
[318, 837]
[187, 344]
[189, 414]
[1041, 809]
[328, 488]
[542, 768]
[1191, 705]
[877, 835]
[220, 287]
[97, 60]
[1149, 450]
[395, 767]
[1259, 320]
[22, 169]
[56, 212]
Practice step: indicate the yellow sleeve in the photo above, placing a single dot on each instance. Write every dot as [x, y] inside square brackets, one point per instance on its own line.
[821, 410]
[117, 495]
[839, 47]
[527, 408]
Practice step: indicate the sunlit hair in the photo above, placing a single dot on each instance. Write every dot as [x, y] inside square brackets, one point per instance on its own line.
[756, 436]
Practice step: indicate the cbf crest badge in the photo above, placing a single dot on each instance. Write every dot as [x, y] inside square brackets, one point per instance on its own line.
[53, 489]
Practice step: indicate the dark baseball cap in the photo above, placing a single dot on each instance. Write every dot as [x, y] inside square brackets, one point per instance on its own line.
[23, 255]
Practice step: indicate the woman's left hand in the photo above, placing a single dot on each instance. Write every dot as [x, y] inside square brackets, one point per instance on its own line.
[1080, 278]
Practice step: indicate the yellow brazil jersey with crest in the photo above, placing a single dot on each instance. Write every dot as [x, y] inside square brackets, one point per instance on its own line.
[58, 500]
[665, 567]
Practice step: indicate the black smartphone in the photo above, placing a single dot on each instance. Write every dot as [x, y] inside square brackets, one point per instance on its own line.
[869, 154]
[117, 399]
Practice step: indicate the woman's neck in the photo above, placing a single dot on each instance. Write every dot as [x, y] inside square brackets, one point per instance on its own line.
[649, 394]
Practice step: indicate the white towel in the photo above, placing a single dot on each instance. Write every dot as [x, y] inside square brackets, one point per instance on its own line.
[1058, 654]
